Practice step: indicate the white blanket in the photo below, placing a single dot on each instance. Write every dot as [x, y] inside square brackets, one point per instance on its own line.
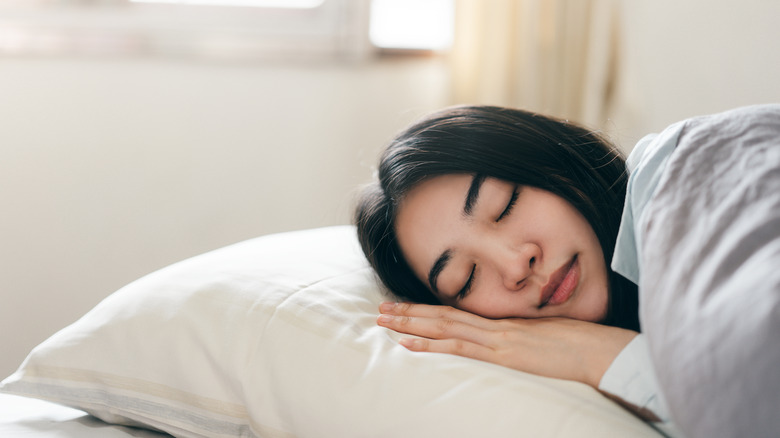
[710, 286]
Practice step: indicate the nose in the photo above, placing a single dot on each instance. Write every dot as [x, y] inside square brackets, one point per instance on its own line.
[518, 264]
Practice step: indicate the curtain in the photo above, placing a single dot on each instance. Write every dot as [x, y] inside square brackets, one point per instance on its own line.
[552, 56]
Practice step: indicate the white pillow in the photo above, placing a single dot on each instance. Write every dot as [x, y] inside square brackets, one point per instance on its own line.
[277, 337]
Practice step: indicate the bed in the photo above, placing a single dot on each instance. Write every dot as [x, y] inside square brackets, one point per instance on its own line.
[276, 337]
[29, 417]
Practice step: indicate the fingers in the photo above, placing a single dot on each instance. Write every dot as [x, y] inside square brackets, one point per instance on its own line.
[444, 329]
[435, 328]
[435, 312]
[457, 347]
[555, 347]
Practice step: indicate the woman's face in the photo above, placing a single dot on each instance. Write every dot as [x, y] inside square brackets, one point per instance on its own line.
[500, 250]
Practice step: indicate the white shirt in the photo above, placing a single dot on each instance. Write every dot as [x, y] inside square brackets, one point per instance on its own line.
[645, 166]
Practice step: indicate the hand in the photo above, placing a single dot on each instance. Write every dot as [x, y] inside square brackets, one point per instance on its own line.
[554, 347]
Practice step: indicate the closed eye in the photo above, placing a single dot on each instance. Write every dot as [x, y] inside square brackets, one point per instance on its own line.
[466, 287]
[509, 205]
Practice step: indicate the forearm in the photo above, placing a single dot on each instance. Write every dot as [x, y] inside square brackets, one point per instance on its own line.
[554, 347]
[601, 348]
[612, 360]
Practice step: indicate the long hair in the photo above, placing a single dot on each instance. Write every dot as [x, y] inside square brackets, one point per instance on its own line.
[508, 144]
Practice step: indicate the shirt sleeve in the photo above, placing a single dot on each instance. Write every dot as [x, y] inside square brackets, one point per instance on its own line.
[631, 378]
[645, 166]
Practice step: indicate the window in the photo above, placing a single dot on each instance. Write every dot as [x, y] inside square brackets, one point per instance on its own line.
[224, 29]
[412, 24]
[290, 4]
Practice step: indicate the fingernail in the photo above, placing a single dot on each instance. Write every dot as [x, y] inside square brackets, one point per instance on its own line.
[408, 343]
[385, 319]
[387, 306]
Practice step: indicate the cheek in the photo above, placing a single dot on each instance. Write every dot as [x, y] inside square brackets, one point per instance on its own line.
[595, 302]
[485, 310]
[495, 305]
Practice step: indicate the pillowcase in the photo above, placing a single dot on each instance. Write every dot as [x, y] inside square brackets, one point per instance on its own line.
[277, 337]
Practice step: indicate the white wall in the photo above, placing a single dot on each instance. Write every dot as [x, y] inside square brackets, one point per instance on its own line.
[112, 168]
[685, 58]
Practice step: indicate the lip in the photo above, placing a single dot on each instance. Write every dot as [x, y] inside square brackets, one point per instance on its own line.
[561, 285]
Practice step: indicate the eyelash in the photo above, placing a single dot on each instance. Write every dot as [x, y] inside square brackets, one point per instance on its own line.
[510, 205]
[466, 287]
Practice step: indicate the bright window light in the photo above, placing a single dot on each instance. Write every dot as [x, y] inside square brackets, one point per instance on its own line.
[412, 24]
[292, 4]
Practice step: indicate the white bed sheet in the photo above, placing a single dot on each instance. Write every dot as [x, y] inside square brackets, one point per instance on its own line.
[32, 418]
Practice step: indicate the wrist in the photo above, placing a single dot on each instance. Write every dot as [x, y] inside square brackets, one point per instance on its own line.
[603, 352]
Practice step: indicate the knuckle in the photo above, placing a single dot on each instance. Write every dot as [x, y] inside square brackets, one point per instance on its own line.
[458, 347]
[507, 337]
[443, 326]
[444, 311]
[504, 334]
[403, 307]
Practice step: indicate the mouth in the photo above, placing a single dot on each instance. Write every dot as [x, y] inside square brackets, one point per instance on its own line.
[561, 284]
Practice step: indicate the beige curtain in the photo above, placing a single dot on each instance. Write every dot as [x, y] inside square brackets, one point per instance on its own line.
[551, 56]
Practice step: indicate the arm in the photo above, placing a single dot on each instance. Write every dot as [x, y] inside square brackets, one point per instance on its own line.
[554, 347]
[631, 381]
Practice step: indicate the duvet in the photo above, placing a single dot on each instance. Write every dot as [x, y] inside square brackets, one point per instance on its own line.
[710, 282]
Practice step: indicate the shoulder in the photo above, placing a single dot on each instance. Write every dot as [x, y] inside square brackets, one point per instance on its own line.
[651, 150]
[645, 166]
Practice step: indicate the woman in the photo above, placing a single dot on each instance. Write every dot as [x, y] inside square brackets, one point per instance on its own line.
[511, 219]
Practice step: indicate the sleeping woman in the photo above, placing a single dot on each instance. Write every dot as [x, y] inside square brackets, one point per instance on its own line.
[505, 237]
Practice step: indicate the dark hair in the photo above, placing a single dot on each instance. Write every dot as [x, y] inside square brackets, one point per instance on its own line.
[509, 144]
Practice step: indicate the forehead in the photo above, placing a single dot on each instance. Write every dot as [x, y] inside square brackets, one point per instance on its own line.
[429, 215]
[441, 191]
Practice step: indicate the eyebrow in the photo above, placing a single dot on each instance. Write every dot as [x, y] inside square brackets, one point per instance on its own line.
[473, 194]
[468, 207]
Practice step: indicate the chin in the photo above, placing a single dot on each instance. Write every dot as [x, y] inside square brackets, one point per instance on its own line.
[593, 312]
